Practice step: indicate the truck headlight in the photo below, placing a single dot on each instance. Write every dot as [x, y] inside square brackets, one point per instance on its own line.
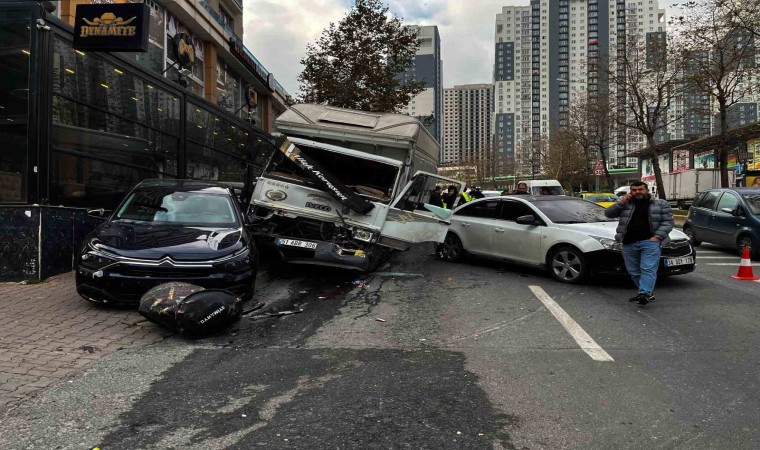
[609, 244]
[362, 235]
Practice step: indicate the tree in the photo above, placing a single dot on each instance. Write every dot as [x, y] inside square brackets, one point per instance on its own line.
[647, 77]
[720, 52]
[588, 124]
[356, 63]
[566, 160]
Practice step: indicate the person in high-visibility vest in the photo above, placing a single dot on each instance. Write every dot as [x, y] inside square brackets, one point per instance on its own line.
[450, 197]
[465, 196]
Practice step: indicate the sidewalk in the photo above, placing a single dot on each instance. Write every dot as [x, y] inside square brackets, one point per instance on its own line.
[47, 332]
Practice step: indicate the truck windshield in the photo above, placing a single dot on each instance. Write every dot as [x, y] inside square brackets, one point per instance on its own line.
[372, 179]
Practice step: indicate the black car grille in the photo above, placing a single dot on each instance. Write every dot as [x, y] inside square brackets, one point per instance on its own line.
[161, 272]
[676, 249]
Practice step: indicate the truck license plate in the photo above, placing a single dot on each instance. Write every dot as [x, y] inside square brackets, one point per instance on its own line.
[679, 261]
[297, 243]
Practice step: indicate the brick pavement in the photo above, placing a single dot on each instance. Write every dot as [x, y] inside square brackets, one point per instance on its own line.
[47, 332]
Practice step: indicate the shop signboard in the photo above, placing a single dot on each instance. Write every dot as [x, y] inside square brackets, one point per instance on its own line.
[681, 161]
[704, 160]
[112, 27]
[647, 170]
[753, 145]
[174, 26]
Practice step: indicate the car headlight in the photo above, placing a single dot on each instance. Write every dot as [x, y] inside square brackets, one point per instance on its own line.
[609, 244]
[240, 263]
[95, 260]
[363, 235]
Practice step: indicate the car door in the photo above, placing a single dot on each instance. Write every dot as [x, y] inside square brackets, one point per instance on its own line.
[724, 225]
[411, 219]
[515, 241]
[475, 224]
[701, 216]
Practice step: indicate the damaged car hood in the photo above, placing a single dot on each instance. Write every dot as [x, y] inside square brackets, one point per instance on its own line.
[154, 241]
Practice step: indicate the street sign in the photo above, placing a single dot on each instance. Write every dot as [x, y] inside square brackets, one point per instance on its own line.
[598, 168]
[599, 173]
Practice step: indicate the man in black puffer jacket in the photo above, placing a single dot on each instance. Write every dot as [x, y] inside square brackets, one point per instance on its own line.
[644, 226]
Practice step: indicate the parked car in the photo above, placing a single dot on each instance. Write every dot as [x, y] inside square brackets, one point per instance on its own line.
[568, 236]
[727, 217]
[604, 199]
[163, 231]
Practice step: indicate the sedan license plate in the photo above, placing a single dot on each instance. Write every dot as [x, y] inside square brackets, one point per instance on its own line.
[297, 243]
[679, 261]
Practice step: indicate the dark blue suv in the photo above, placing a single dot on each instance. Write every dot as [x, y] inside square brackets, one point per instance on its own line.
[727, 217]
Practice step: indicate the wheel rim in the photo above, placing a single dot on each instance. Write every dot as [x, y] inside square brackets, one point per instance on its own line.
[451, 248]
[567, 265]
[690, 233]
[745, 242]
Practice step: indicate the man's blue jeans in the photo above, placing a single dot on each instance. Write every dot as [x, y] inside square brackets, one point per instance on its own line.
[641, 261]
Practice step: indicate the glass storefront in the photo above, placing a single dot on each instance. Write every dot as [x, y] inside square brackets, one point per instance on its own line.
[110, 129]
[15, 40]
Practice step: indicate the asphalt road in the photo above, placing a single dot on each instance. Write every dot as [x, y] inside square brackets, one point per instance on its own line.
[462, 356]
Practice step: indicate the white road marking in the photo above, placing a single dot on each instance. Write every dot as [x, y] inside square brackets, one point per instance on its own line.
[717, 257]
[728, 264]
[586, 343]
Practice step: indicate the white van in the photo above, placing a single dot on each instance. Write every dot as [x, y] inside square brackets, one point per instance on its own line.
[544, 187]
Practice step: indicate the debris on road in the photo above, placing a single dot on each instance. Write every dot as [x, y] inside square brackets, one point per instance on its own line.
[275, 314]
[256, 306]
[398, 274]
[380, 320]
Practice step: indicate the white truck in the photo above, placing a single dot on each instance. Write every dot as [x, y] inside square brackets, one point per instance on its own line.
[347, 188]
[682, 187]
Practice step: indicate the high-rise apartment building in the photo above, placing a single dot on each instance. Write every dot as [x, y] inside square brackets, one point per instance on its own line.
[427, 67]
[467, 111]
[552, 52]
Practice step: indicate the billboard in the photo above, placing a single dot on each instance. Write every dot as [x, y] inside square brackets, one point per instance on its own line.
[704, 160]
[681, 160]
[112, 27]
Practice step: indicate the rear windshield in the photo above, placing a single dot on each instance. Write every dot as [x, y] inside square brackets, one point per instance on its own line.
[371, 179]
[753, 201]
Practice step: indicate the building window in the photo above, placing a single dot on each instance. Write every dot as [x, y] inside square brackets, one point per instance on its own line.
[15, 110]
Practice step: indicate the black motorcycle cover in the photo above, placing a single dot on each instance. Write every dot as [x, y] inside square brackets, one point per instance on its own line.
[189, 309]
[159, 305]
[208, 312]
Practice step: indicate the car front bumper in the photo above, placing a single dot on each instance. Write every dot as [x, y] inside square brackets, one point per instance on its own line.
[125, 286]
[609, 262]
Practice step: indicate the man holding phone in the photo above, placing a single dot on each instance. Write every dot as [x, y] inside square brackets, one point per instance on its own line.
[644, 226]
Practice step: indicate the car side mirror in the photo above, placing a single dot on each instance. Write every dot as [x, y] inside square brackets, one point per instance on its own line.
[527, 220]
[733, 212]
[99, 213]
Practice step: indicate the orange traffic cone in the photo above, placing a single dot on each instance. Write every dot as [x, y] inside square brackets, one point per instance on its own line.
[745, 268]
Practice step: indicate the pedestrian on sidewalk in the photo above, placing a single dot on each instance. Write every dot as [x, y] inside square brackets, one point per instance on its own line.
[644, 226]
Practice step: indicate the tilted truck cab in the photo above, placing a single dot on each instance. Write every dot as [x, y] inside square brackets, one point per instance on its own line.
[343, 190]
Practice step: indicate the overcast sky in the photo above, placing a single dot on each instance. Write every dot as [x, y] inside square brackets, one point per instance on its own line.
[277, 31]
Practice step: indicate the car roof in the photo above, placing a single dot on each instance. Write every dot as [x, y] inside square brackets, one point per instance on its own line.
[740, 190]
[186, 185]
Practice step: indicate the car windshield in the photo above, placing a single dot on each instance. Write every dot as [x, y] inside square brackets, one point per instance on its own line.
[548, 190]
[601, 198]
[166, 205]
[753, 201]
[572, 211]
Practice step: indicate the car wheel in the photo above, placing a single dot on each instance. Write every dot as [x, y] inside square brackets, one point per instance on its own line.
[568, 265]
[689, 231]
[451, 249]
[745, 241]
